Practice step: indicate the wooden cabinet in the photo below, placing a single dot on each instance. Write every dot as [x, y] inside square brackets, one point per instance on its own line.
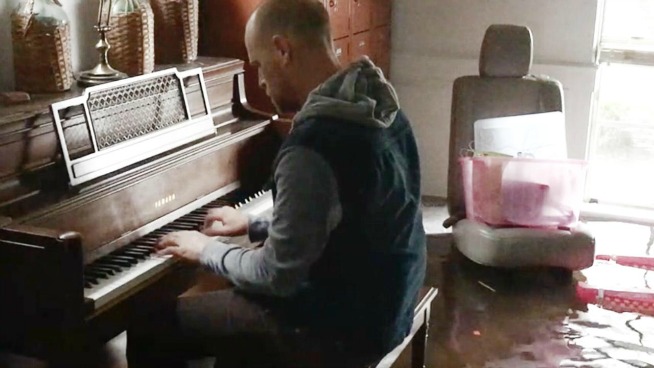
[359, 27]
[339, 17]
[342, 50]
[366, 31]
[381, 46]
[361, 15]
[381, 12]
[361, 45]
[222, 32]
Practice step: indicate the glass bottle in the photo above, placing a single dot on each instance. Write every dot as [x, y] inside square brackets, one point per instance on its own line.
[40, 32]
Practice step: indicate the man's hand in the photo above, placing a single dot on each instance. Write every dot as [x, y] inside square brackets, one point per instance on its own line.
[225, 221]
[187, 245]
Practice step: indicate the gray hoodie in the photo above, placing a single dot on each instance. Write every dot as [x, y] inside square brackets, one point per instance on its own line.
[307, 206]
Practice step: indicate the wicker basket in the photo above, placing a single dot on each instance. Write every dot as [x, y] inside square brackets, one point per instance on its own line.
[175, 30]
[131, 41]
[42, 61]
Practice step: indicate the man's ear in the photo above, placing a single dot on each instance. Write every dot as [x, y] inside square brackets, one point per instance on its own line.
[282, 48]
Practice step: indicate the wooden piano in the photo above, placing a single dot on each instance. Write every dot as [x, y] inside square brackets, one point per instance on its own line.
[90, 179]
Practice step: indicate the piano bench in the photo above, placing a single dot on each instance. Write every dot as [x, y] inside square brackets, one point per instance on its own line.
[418, 335]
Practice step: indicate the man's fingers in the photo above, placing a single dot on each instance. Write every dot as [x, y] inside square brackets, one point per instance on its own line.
[173, 251]
[216, 229]
[166, 241]
[215, 215]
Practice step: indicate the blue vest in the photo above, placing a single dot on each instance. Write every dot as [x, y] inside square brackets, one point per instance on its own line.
[365, 285]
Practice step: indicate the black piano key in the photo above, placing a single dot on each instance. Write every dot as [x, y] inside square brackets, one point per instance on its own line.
[144, 248]
[114, 262]
[87, 285]
[186, 223]
[90, 279]
[135, 254]
[96, 274]
[146, 241]
[125, 258]
[178, 227]
[183, 220]
[138, 249]
[109, 270]
[158, 233]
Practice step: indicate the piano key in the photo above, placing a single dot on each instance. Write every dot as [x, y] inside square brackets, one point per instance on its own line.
[135, 250]
[187, 220]
[137, 255]
[99, 265]
[158, 233]
[146, 241]
[179, 227]
[125, 258]
[132, 253]
[95, 273]
[111, 288]
[107, 269]
[114, 262]
[144, 247]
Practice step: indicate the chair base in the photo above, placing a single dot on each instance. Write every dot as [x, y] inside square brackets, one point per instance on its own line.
[524, 247]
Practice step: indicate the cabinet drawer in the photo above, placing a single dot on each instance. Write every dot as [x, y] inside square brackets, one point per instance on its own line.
[381, 44]
[360, 45]
[342, 50]
[339, 17]
[381, 12]
[361, 13]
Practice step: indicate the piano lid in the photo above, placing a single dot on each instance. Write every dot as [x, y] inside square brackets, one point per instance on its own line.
[129, 121]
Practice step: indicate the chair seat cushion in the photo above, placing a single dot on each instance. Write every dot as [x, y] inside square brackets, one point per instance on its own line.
[524, 247]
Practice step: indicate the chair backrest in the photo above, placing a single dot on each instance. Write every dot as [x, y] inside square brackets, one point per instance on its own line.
[503, 88]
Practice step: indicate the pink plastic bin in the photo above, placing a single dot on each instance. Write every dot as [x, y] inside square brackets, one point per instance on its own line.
[503, 191]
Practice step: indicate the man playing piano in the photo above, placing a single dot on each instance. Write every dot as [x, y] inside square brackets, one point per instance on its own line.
[336, 280]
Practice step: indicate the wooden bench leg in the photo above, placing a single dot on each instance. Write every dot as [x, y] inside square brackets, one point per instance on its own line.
[419, 343]
[418, 335]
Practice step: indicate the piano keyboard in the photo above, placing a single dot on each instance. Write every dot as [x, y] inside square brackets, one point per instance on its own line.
[124, 269]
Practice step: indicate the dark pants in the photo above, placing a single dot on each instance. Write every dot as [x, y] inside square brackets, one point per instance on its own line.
[239, 330]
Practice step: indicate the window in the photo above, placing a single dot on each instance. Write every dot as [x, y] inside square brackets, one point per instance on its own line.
[622, 129]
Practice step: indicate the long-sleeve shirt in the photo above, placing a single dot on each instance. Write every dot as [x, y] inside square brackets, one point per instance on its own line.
[306, 209]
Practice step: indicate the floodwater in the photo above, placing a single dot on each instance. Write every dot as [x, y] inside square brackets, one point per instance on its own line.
[485, 317]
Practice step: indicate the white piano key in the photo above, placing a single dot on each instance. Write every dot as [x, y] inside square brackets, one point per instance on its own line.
[116, 285]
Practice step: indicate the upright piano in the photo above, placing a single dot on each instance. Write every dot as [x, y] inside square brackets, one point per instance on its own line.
[89, 180]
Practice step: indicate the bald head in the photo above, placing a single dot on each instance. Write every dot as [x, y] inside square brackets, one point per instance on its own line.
[304, 21]
[289, 44]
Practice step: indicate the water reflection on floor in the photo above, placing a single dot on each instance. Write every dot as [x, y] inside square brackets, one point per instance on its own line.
[484, 317]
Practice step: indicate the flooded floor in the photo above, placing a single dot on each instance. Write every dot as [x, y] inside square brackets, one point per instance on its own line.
[485, 317]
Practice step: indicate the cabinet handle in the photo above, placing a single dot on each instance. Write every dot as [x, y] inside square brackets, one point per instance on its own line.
[332, 3]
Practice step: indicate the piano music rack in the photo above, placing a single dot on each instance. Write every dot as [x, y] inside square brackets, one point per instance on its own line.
[128, 121]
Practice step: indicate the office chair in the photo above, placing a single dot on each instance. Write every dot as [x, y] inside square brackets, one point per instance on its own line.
[505, 88]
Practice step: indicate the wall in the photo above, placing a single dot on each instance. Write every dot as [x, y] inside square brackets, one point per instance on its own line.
[436, 41]
[82, 15]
